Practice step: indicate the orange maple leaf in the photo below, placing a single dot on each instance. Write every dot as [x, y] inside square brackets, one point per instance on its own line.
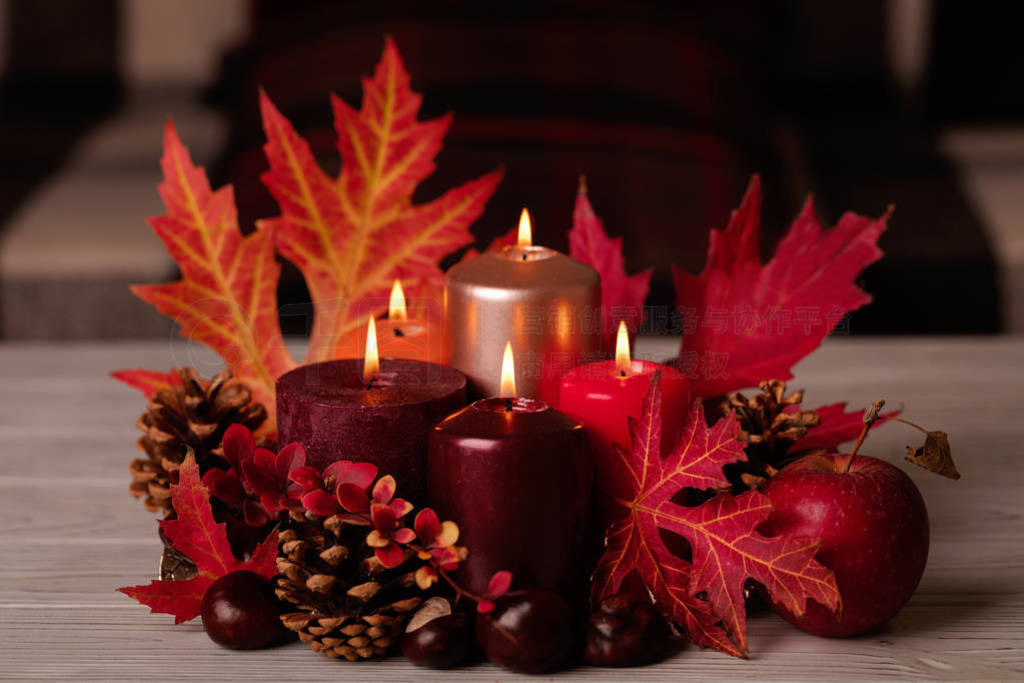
[227, 296]
[351, 236]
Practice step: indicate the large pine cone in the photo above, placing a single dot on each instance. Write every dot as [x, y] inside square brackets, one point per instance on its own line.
[770, 423]
[347, 606]
[193, 416]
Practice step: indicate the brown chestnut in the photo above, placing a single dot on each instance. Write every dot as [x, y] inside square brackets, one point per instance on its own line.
[531, 631]
[626, 631]
[241, 612]
[435, 637]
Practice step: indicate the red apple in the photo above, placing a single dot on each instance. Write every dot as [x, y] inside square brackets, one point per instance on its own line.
[873, 527]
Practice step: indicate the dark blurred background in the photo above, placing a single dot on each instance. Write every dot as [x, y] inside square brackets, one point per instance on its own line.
[667, 107]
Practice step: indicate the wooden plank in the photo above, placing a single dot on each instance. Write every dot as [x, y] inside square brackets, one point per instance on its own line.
[72, 534]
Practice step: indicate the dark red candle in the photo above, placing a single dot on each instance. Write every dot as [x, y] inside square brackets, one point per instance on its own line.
[516, 476]
[332, 411]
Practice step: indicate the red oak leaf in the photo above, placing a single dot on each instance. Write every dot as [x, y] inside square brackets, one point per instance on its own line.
[722, 533]
[195, 533]
[148, 381]
[744, 321]
[836, 427]
[622, 296]
[351, 236]
[227, 297]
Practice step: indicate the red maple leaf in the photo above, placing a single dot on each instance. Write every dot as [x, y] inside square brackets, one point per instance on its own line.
[836, 427]
[622, 296]
[744, 321]
[704, 596]
[148, 381]
[195, 533]
[227, 297]
[351, 236]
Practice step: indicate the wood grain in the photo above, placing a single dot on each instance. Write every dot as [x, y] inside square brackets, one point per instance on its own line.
[71, 534]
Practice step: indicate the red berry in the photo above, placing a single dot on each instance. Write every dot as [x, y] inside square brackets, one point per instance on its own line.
[531, 631]
[241, 612]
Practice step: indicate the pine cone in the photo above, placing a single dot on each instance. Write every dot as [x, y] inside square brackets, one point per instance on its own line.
[348, 605]
[768, 429]
[192, 417]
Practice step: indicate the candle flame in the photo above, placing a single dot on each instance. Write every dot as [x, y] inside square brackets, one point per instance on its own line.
[371, 362]
[508, 373]
[525, 238]
[396, 306]
[622, 359]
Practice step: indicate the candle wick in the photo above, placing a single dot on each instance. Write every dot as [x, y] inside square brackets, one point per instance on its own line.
[524, 256]
[369, 385]
[508, 405]
[399, 333]
[622, 373]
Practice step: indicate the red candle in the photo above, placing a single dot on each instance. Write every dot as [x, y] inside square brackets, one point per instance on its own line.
[602, 396]
[347, 410]
[517, 477]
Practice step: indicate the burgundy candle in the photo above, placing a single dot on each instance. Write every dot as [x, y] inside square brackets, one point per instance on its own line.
[516, 476]
[337, 415]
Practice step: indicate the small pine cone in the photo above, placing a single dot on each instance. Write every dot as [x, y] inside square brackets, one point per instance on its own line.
[769, 426]
[191, 417]
[347, 606]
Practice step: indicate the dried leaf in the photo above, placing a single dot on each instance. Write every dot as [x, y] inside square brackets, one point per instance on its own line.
[744, 321]
[351, 236]
[197, 535]
[722, 533]
[622, 296]
[934, 455]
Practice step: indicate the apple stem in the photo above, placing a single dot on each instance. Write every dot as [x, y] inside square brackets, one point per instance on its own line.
[870, 417]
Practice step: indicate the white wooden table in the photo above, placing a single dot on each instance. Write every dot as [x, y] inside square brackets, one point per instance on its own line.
[70, 533]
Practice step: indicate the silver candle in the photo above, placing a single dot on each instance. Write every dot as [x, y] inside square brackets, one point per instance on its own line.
[546, 304]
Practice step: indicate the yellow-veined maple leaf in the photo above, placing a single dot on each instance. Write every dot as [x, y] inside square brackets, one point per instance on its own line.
[227, 295]
[705, 595]
[351, 236]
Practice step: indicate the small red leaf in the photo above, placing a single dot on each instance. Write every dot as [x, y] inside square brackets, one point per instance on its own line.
[352, 498]
[360, 474]
[319, 502]
[499, 584]
[427, 525]
[306, 477]
[484, 607]
[390, 555]
[384, 518]
[404, 535]
[239, 444]
[384, 489]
